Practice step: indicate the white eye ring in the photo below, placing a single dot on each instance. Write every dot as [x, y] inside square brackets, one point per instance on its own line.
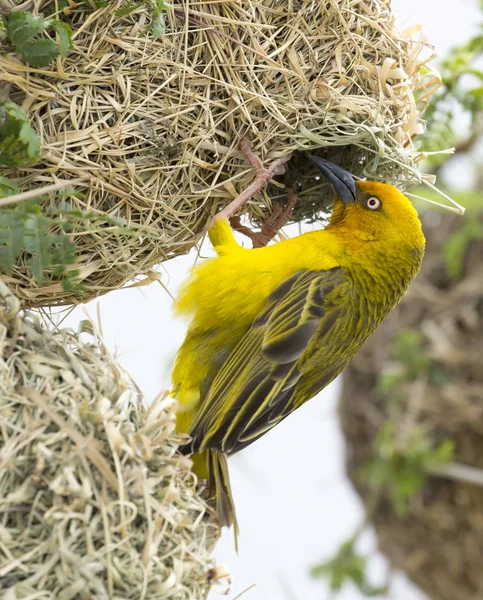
[373, 203]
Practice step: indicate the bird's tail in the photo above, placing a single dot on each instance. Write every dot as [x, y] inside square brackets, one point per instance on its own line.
[213, 466]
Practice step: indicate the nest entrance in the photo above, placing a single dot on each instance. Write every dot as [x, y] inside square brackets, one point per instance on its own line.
[314, 195]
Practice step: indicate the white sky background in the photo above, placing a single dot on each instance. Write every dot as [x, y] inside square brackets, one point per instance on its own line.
[293, 501]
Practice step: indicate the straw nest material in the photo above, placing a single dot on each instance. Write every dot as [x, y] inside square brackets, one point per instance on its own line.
[95, 502]
[439, 544]
[151, 126]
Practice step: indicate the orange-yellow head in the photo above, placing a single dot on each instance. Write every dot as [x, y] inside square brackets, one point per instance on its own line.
[368, 211]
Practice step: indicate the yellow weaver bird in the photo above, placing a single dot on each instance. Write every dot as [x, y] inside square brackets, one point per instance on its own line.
[271, 327]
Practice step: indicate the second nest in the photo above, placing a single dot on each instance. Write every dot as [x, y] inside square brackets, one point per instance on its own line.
[152, 125]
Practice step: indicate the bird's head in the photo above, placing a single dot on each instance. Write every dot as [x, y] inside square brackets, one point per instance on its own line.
[370, 211]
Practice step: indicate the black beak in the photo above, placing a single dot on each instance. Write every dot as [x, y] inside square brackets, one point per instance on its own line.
[341, 180]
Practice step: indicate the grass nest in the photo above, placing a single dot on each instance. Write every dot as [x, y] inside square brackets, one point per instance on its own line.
[151, 126]
[438, 389]
[95, 501]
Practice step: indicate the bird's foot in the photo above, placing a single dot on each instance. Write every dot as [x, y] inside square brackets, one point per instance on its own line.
[278, 218]
[262, 177]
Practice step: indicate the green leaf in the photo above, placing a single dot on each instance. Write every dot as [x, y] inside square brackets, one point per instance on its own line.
[40, 235]
[122, 12]
[38, 241]
[53, 6]
[443, 454]
[159, 24]
[157, 7]
[25, 31]
[8, 187]
[37, 268]
[19, 144]
[64, 253]
[454, 96]
[40, 53]
[408, 349]
[3, 29]
[390, 380]
[9, 116]
[71, 283]
[30, 140]
[11, 238]
[23, 27]
[401, 469]
[347, 567]
[65, 36]
[71, 192]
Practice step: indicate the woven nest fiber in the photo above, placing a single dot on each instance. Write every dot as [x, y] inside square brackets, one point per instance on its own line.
[94, 500]
[439, 544]
[152, 126]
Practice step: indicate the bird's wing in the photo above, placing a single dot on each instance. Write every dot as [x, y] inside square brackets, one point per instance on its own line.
[255, 387]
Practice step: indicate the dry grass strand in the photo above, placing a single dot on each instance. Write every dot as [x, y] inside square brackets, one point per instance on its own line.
[95, 502]
[154, 124]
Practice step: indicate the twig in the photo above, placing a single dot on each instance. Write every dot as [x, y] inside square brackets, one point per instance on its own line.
[458, 472]
[46, 189]
[243, 592]
[263, 176]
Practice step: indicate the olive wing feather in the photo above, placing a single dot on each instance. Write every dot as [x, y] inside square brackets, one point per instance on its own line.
[255, 388]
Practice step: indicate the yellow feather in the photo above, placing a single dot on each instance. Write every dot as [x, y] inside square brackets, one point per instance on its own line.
[270, 327]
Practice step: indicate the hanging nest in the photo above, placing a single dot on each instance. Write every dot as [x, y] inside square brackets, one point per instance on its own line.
[439, 543]
[95, 502]
[151, 126]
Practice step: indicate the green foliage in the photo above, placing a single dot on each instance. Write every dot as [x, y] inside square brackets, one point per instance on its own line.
[157, 7]
[61, 5]
[26, 229]
[127, 10]
[65, 36]
[3, 30]
[461, 91]
[347, 567]
[43, 237]
[58, 6]
[158, 24]
[400, 468]
[8, 187]
[411, 362]
[455, 247]
[408, 350]
[29, 36]
[19, 144]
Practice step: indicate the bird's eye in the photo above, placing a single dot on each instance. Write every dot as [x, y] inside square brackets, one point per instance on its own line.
[373, 203]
